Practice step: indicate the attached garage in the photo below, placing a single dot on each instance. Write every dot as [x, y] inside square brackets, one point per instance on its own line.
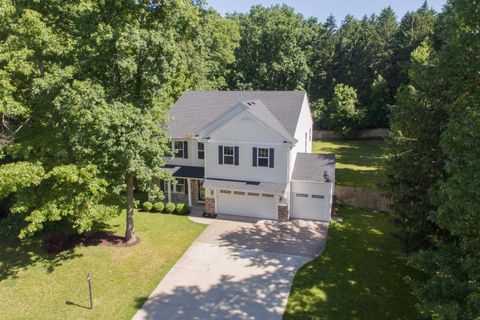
[312, 187]
[249, 204]
[311, 200]
[244, 198]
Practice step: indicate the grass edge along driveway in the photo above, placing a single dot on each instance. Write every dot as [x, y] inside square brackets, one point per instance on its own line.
[35, 285]
[360, 275]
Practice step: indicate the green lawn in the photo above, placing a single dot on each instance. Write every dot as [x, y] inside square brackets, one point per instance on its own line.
[34, 285]
[360, 275]
[358, 161]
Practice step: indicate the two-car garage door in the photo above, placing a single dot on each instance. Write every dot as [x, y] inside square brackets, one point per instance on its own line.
[250, 204]
[312, 201]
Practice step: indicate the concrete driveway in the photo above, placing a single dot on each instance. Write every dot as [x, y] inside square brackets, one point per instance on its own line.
[236, 270]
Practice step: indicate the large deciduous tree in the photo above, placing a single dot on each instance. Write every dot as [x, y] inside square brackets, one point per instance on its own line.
[270, 55]
[86, 88]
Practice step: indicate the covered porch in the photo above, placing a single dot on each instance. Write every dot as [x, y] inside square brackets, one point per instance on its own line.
[188, 187]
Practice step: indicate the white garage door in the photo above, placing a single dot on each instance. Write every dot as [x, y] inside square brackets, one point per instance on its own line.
[311, 201]
[248, 204]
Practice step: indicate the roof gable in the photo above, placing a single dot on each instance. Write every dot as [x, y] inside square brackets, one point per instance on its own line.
[254, 109]
[195, 110]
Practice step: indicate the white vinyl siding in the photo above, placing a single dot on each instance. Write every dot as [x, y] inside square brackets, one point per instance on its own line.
[302, 133]
[245, 171]
[192, 155]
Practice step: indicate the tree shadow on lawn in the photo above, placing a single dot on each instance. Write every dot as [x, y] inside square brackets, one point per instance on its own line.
[360, 275]
[17, 255]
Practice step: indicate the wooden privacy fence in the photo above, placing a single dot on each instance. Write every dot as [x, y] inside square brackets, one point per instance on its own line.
[365, 199]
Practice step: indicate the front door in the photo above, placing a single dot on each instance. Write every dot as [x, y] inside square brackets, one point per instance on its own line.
[201, 191]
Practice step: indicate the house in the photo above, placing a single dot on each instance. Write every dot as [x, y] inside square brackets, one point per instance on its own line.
[248, 153]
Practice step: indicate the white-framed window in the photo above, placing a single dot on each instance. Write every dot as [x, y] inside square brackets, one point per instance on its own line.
[263, 157]
[240, 193]
[228, 154]
[301, 195]
[179, 149]
[267, 195]
[201, 150]
[318, 196]
[252, 194]
[226, 191]
[179, 186]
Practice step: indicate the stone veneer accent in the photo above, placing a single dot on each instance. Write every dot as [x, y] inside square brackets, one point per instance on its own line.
[282, 212]
[194, 191]
[209, 205]
[179, 197]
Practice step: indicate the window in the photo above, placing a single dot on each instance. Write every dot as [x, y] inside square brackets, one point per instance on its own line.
[228, 155]
[179, 186]
[263, 157]
[226, 191]
[267, 195]
[253, 194]
[318, 196]
[239, 193]
[301, 195]
[201, 150]
[310, 134]
[179, 149]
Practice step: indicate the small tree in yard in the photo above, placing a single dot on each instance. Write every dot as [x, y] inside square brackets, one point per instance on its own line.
[344, 115]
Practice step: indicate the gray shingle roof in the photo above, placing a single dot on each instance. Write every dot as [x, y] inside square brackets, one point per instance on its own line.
[314, 167]
[196, 109]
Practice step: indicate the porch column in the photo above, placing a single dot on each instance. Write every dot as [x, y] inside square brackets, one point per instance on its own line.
[189, 193]
[169, 191]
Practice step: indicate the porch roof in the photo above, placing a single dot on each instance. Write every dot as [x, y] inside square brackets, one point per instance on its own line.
[186, 171]
[248, 186]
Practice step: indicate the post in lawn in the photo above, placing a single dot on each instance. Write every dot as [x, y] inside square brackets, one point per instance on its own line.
[89, 279]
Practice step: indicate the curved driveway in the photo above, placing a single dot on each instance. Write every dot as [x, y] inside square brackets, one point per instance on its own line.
[236, 270]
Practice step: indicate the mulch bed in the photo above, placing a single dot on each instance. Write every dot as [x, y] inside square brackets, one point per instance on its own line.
[56, 243]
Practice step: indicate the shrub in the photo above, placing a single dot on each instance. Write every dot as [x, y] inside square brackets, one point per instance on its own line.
[170, 207]
[158, 207]
[147, 206]
[136, 204]
[182, 208]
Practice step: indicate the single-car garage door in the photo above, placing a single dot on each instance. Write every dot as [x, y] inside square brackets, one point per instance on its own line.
[250, 204]
[311, 200]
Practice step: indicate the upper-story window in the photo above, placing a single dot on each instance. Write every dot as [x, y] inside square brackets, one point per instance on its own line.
[228, 155]
[263, 157]
[201, 150]
[181, 149]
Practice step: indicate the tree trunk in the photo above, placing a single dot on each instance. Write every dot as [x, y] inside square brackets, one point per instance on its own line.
[129, 232]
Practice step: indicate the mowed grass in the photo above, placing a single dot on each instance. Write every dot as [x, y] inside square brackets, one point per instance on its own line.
[35, 285]
[358, 162]
[360, 275]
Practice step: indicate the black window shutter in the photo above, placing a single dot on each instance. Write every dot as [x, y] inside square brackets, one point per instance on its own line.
[236, 155]
[254, 158]
[220, 154]
[185, 149]
[271, 158]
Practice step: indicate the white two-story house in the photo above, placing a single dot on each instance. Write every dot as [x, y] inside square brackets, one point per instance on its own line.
[248, 153]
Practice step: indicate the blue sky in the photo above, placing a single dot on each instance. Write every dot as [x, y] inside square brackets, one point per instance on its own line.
[323, 8]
